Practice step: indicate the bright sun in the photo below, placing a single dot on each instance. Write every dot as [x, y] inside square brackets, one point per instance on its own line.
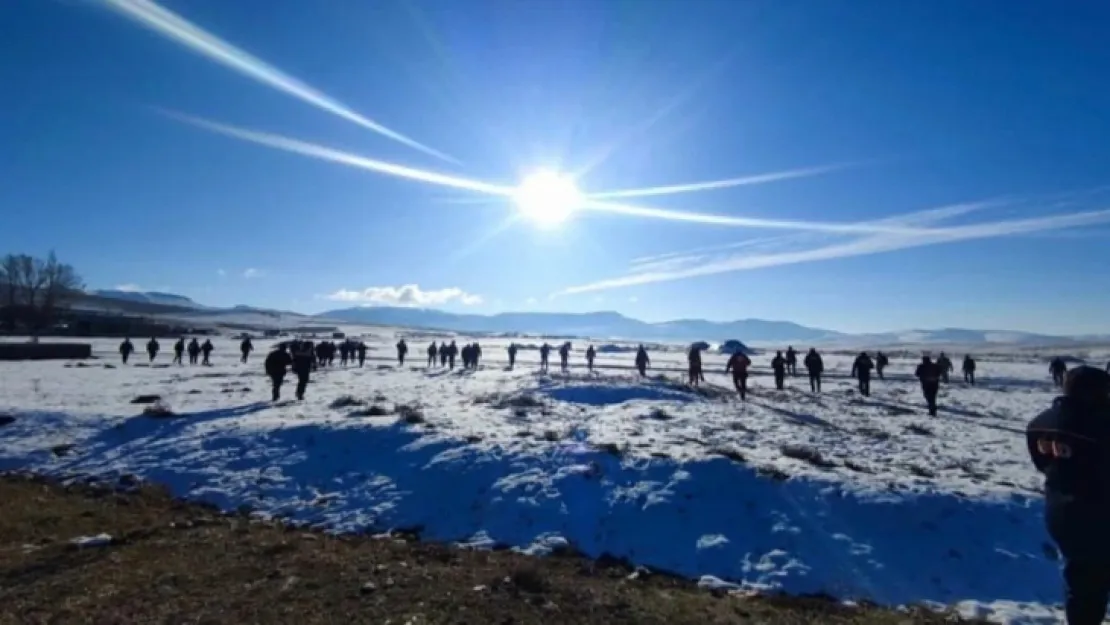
[547, 197]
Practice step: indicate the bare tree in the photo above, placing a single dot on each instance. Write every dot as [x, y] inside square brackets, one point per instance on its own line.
[35, 289]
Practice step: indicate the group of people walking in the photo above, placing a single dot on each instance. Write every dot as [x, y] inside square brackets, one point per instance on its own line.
[199, 353]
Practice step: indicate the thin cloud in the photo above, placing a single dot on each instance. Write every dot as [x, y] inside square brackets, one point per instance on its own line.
[718, 184]
[173, 26]
[129, 288]
[251, 272]
[408, 295]
[221, 273]
[859, 247]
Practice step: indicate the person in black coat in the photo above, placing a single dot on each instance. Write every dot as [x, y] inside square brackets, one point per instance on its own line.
[791, 360]
[125, 349]
[245, 348]
[930, 374]
[815, 366]
[1070, 444]
[1058, 368]
[881, 361]
[360, 349]
[303, 361]
[969, 369]
[276, 364]
[778, 366]
[861, 370]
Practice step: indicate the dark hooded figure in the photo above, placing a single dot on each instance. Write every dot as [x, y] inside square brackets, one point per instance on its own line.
[591, 353]
[452, 353]
[206, 350]
[178, 350]
[303, 361]
[946, 367]
[194, 351]
[245, 348]
[360, 349]
[467, 355]
[443, 355]
[930, 374]
[815, 366]
[642, 361]
[861, 371]
[881, 361]
[344, 353]
[693, 362]
[791, 360]
[125, 349]
[432, 352]
[778, 366]
[331, 348]
[320, 353]
[1058, 368]
[152, 348]
[738, 364]
[564, 356]
[402, 350]
[969, 369]
[545, 353]
[477, 354]
[276, 364]
[1070, 444]
[512, 355]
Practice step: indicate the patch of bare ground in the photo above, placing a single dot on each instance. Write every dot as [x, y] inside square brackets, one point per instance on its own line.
[175, 562]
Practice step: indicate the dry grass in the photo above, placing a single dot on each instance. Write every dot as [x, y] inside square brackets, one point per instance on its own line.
[172, 562]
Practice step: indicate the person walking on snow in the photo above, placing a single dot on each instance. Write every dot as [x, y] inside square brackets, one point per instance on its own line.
[512, 355]
[206, 349]
[642, 361]
[402, 349]
[1070, 445]
[564, 356]
[881, 361]
[791, 360]
[432, 355]
[930, 374]
[778, 366]
[969, 369]
[591, 353]
[861, 370]
[815, 366]
[452, 353]
[125, 349]
[152, 348]
[545, 353]
[179, 351]
[738, 364]
[245, 348]
[360, 349]
[946, 367]
[276, 364]
[303, 361]
[194, 351]
[693, 359]
[1058, 368]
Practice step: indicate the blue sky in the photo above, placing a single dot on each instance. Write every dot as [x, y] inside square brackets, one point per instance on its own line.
[959, 150]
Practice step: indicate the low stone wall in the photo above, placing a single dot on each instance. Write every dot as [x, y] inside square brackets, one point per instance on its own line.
[45, 351]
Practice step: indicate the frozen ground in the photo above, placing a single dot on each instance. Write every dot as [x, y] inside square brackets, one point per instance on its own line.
[861, 498]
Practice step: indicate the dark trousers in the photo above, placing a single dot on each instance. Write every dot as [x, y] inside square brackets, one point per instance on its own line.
[815, 382]
[741, 383]
[930, 390]
[865, 384]
[152, 355]
[780, 379]
[302, 384]
[276, 381]
[176, 357]
[879, 371]
[642, 369]
[125, 356]
[969, 377]
[401, 359]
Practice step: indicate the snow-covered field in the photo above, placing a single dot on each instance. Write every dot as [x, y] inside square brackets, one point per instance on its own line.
[860, 498]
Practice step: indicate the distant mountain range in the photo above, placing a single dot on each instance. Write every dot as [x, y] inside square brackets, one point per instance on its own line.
[595, 325]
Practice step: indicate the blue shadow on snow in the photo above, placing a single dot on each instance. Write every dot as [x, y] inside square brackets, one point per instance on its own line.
[605, 395]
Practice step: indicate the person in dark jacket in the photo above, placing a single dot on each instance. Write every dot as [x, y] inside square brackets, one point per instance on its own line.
[738, 364]
[303, 361]
[946, 367]
[545, 353]
[125, 349]
[402, 351]
[1070, 444]
[276, 364]
[791, 360]
[881, 361]
[245, 348]
[443, 355]
[194, 351]
[467, 355]
[152, 348]
[778, 367]
[815, 365]
[360, 349]
[929, 373]
[452, 353]
[477, 354]
[642, 361]
[591, 353]
[1058, 368]
[179, 351]
[969, 369]
[564, 357]
[694, 362]
[512, 355]
[344, 353]
[206, 351]
[861, 371]
[433, 353]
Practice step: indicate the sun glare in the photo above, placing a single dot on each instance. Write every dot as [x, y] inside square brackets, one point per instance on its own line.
[547, 197]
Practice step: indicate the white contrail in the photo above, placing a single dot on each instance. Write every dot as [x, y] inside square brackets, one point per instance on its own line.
[345, 158]
[745, 222]
[173, 26]
[859, 247]
[717, 184]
